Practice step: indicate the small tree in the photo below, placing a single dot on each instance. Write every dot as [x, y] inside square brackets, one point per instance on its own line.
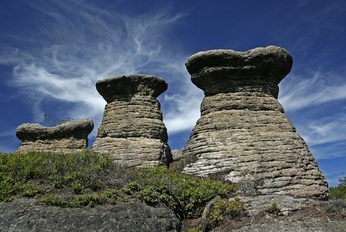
[342, 181]
[339, 192]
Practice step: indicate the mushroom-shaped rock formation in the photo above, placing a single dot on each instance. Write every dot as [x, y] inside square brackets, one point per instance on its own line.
[132, 130]
[68, 137]
[243, 133]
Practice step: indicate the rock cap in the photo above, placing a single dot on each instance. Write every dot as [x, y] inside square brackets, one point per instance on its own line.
[34, 131]
[271, 62]
[129, 85]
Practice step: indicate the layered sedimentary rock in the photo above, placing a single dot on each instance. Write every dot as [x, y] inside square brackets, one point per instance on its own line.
[69, 137]
[243, 133]
[132, 130]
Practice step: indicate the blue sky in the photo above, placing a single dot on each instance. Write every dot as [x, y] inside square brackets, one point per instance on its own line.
[53, 52]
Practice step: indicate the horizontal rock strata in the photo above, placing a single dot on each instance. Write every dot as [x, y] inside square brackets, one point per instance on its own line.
[243, 133]
[132, 130]
[68, 137]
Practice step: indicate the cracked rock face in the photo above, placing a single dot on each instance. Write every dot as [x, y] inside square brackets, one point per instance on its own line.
[69, 137]
[243, 133]
[132, 130]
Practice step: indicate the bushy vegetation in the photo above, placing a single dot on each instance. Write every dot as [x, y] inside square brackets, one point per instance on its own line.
[184, 194]
[273, 208]
[35, 173]
[233, 208]
[339, 192]
[89, 179]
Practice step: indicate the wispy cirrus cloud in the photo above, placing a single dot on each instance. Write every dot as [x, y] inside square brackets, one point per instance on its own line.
[297, 93]
[327, 130]
[78, 44]
[316, 106]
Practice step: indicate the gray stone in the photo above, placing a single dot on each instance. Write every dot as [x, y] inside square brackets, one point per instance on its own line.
[68, 137]
[243, 131]
[177, 154]
[26, 215]
[257, 204]
[132, 130]
[293, 226]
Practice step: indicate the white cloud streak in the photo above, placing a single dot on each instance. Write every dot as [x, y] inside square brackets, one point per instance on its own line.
[321, 88]
[78, 44]
[315, 106]
[187, 110]
[327, 130]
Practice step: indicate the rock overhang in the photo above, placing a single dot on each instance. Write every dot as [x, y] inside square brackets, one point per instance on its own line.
[270, 63]
[125, 85]
[32, 131]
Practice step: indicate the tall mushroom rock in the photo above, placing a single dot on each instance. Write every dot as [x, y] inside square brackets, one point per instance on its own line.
[132, 130]
[243, 133]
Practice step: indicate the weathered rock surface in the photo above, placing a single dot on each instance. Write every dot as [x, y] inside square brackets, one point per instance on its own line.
[287, 204]
[132, 130]
[26, 215]
[292, 226]
[243, 133]
[69, 137]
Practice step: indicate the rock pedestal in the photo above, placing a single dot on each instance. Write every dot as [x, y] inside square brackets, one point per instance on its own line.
[69, 137]
[243, 134]
[132, 130]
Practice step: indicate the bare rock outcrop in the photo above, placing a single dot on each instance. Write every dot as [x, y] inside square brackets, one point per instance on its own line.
[24, 215]
[243, 133]
[132, 130]
[68, 137]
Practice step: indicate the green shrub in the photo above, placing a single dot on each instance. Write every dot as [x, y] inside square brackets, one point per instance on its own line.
[195, 229]
[339, 192]
[273, 208]
[224, 207]
[29, 190]
[184, 194]
[131, 187]
[89, 200]
[54, 200]
[77, 187]
[110, 195]
[7, 189]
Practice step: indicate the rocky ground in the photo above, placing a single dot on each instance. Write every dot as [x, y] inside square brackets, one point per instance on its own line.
[317, 216]
[24, 215]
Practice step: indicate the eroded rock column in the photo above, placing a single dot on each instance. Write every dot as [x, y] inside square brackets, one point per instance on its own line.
[69, 137]
[243, 133]
[132, 130]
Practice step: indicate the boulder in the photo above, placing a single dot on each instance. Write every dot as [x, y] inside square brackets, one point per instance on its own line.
[24, 215]
[68, 137]
[243, 134]
[132, 130]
